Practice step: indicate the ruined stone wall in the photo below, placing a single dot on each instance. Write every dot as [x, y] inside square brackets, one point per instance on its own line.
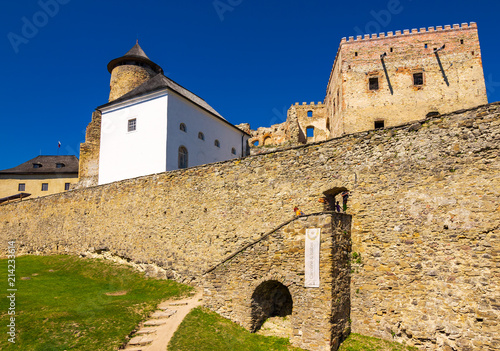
[279, 257]
[277, 134]
[425, 202]
[126, 78]
[453, 78]
[334, 99]
[88, 168]
[311, 116]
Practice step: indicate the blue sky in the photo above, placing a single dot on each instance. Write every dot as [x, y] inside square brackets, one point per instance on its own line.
[249, 59]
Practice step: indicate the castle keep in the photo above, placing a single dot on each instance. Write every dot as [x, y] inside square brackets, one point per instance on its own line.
[389, 79]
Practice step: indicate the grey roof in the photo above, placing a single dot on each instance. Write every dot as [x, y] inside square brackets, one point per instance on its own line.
[160, 82]
[48, 166]
[136, 51]
[136, 54]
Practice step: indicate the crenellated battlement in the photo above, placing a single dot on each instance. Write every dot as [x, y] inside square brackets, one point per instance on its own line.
[407, 32]
[305, 104]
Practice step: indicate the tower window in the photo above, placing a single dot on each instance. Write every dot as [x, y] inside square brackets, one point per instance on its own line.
[356, 53]
[379, 124]
[373, 83]
[132, 124]
[183, 157]
[391, 50]
[426, 46]
[418, 78]
[21, 187]
[310, 132]
[37, 165]
[217, 143]
[233, 151]
[461, 41]
[66, 186]
[60, 165]
[45, 186]
[309, 113]
[201, 136]
[182, 127]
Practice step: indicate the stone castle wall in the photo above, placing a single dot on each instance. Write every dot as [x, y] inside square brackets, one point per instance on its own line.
[88, 173]
[425, 202]
[452, 78]
[231, 288]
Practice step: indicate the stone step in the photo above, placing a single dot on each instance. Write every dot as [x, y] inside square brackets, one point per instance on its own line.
[168, 311]
[145, 331]
[178, 304]
[160, 315]
[154, 322]
[140, 340]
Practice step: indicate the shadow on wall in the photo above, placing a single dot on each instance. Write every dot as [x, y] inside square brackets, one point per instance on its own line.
[270, 299]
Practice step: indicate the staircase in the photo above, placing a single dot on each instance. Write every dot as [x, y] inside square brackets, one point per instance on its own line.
[155, 333]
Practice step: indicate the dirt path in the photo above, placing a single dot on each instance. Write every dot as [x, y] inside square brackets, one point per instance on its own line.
[155, 333]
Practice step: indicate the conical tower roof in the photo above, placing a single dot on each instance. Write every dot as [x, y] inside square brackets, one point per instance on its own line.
[137, 51]
[135, 54]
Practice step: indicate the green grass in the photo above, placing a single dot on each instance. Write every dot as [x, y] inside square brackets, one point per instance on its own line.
[357, 342]
[64, 306]
[203, 330]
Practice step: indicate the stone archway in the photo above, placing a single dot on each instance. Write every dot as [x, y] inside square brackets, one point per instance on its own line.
[270, 299]
[331, 197]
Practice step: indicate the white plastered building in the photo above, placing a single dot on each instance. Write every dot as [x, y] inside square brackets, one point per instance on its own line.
[160, 126]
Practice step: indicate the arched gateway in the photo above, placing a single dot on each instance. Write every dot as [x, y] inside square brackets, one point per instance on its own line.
[300, 270]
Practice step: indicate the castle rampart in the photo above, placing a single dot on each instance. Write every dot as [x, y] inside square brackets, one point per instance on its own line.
[424, 201]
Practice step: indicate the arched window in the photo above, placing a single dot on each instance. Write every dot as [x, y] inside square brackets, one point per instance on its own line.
[183, 127]
[183, 157]
[255, 143]
[217, 143]
[233, 151]
[309, 113]
[201, 136]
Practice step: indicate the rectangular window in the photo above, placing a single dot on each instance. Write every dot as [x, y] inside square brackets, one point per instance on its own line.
[310, 132]
[132, 124]
[21, 187]
[379, 124]
[418, 79]
[373, 83]
[45, 186]
[66, 186]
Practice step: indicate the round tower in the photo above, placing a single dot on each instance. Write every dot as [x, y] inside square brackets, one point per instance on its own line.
[130, 71]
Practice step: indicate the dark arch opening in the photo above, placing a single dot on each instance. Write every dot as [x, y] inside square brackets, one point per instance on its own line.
[330, 198]
[270, 299]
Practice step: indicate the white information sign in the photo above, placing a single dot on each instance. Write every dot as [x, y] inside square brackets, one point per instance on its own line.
[312, 258]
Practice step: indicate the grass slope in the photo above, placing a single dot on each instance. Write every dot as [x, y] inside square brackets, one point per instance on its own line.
[357, 342]
[64, 305]
[203, 330]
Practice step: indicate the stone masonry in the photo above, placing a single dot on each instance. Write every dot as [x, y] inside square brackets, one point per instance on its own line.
[88, 174]
[425, 206]
[447, 60]
[232, 287]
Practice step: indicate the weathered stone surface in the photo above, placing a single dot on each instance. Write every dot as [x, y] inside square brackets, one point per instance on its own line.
[425, 201]
[235, 290]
